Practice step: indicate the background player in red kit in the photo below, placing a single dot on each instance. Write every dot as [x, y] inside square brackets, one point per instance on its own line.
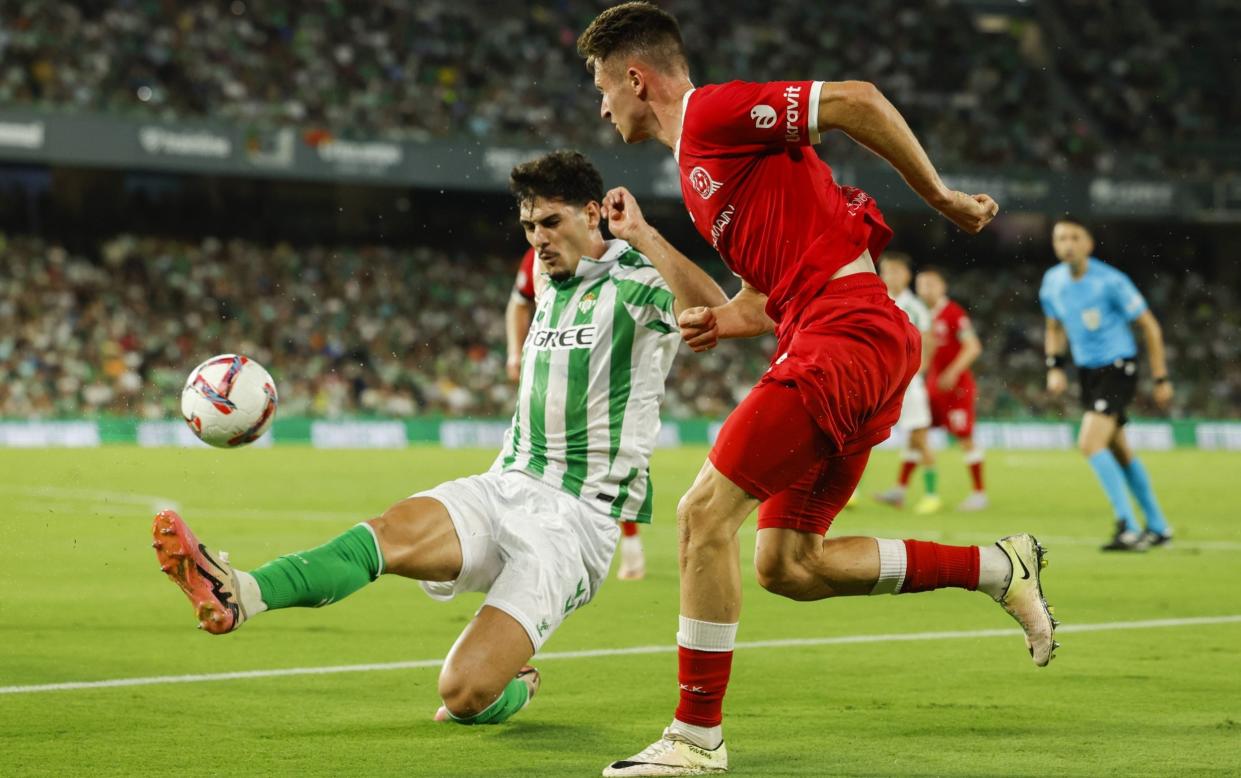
[950, 381]
[796, 446]
[517, 316]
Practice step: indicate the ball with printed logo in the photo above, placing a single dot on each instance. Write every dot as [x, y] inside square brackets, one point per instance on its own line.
[229, 401]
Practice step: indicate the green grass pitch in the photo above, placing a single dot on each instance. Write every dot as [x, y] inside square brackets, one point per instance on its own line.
[81, 599]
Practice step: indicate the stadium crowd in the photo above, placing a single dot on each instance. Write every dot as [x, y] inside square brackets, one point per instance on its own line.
[395, 69]
[344, 332]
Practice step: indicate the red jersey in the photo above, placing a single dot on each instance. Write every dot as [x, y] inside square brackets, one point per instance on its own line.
[950, 325]
[524, 285]
[759, 194]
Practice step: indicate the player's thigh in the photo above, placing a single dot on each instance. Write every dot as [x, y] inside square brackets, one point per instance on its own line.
[810, 504]
[418, 540]
[1096, 433]
[713, 502]
[490, 651]
[766, 444]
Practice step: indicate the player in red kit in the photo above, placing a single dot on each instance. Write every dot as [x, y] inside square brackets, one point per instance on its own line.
[950, 382]
[796, 446]
[517, 316]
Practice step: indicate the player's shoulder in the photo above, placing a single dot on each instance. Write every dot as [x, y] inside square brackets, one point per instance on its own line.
[1056, 274]
[633, 265]
[1106, 270]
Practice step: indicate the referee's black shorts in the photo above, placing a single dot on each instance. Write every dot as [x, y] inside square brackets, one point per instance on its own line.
[1110, 389]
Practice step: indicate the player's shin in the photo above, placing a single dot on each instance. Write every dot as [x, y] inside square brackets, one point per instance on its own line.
[1112, 479]
[1140, 485]
[705, 658]
[319, 576]
[908, 566]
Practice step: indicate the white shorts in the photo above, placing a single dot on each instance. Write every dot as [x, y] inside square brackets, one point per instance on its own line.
[537, 552]
[916, 407]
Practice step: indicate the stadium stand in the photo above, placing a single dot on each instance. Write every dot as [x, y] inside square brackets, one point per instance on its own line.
[1077, 85]
[113, 332]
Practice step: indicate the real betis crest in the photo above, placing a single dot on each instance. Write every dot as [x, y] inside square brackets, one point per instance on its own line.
[588, 302]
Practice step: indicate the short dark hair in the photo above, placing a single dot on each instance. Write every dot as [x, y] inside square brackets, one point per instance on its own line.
[634, 28]
[934, 270]
[1068, 218]
[899, 257]
[561, 175]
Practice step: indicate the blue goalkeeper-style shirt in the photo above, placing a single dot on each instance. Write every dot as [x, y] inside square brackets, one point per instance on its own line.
[1096, 311]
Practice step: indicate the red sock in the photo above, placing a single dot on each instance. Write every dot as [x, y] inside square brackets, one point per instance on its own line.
[976, 474]
[934, 566]
[907, 471]
[704, 679]
[629, 529]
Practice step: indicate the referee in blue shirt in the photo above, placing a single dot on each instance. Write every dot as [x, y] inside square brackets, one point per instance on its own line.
[1093, 306]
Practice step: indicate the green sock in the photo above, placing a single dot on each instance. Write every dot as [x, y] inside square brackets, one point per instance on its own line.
[512, 699]
[931, 479]
[322, 575]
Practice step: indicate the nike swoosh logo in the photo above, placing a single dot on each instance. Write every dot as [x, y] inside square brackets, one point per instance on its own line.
[1025, 572]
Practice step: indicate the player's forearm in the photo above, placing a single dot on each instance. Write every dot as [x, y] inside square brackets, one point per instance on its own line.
[744, 316]
[1054, 342]
[860, 110]
[692, 286]
[970, 351]
[1152, 333]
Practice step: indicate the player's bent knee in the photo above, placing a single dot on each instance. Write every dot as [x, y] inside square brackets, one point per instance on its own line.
[465, 697]
[699, 523]
[781, 575]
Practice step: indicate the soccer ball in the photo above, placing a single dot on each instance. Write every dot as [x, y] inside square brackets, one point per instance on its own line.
[229, 401]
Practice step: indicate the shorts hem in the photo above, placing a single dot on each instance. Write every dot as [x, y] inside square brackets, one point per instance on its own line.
[746, 485]
[520, 617]
[467, 560]
[796, 524]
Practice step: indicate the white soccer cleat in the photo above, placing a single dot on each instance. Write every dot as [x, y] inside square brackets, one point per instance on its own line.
[633, 560]
[977, 501]
[670, 755]
[1024, 600]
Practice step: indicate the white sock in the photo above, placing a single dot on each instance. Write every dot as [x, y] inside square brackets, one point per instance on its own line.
[995, 570]
[703, 737]
[892, 561]
[248, 593]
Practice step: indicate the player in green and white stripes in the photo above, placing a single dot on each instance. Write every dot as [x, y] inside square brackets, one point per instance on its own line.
[537, 532]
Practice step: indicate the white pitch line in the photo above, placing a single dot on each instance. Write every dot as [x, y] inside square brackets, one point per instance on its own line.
[418, 664]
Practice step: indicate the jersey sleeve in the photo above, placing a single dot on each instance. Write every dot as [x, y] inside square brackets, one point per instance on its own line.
[524, 285]
[962, 327]
[649, 299]
[1126, 297]
[1046, 298]
[742, 115]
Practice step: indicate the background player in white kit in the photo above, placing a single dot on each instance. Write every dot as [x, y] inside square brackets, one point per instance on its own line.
[536, 532]
[896, 269]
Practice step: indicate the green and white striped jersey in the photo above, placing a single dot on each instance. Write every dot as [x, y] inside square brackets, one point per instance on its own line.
[592, 378]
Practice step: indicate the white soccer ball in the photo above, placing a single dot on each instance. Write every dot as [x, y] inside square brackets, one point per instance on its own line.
[229, 401]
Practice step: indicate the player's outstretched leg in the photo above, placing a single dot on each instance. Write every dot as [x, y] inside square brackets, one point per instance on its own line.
[224, 597]
[415, 537]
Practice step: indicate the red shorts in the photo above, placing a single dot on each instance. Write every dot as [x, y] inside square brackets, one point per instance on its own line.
[954, 408]
[800, 440]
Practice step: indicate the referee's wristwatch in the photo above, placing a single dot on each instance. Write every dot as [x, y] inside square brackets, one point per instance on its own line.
[1056, 361]
[1163, 379]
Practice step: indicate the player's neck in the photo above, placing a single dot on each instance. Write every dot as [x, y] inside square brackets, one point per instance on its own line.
[1078, 269]
[669, 110]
